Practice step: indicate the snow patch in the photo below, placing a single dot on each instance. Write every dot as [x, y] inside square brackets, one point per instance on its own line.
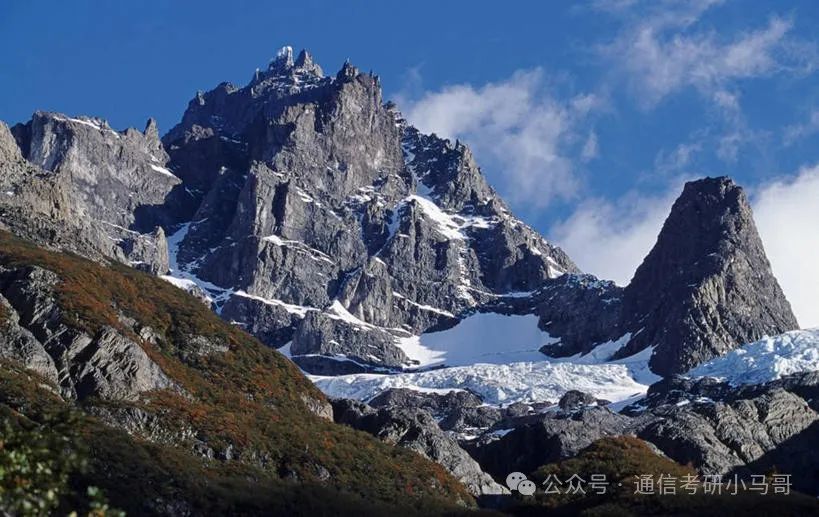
[163, 170]
[428, 308]
[87, 122]
[285, 350]
[496, 356]
[180, 274]
[444, 223]
[339, 312]
[765, 360]
[182, 283]
[299, 246]
[480, 338]
[299, 310]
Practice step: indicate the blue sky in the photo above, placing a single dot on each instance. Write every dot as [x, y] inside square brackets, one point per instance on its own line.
[586, 116]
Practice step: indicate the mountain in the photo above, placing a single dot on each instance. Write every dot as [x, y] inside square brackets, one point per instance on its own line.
[308, 211]
[326, 220]
[305, 214]
[706, 287]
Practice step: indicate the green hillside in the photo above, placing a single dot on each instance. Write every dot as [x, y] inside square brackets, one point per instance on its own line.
[246, 405]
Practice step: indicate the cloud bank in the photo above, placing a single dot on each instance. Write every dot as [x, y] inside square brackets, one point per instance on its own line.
[787, 215]
[663, 53]
[610, 238]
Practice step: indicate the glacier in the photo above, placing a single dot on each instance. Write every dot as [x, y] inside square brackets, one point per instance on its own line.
[766, 360]
[496, 357]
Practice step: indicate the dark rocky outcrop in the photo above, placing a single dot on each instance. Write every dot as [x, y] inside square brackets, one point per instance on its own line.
[306, 191]
[728, 433]
[563, 307]
[717, 437]
[714, 427]
[574, 399]
[724, 429]
[438, 404]
[460, 412]
[417, 430]
[536, 440]
[706, 287]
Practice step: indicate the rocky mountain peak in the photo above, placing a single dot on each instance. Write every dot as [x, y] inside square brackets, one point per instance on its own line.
[348, 71]
[303, 64]
[711, 218]
[400, 229]
[152, 139]
[75, 183]
[706, 286]
[304, 61]
[9, 150]
[151, 129]
[283, 59]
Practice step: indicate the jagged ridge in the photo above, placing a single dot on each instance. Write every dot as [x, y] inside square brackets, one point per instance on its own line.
[329, 221]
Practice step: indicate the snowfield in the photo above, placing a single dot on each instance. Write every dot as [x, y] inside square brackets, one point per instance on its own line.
[765, 360]
[496, 357]
[497, 384]
[480, 338]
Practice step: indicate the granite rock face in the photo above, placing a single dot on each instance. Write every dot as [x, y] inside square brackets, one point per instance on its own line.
[575, 399]
[108, 364]
[706, 287]
[719, 437]
[315, 214]
[581, 311]
[717, 428]
[19, 344]
[531, 441]
[76, 184]
[461, 413]
[439, 405]
[723, 429]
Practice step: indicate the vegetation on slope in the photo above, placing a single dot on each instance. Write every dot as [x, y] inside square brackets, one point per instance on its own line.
[622, 460]
[245, 407]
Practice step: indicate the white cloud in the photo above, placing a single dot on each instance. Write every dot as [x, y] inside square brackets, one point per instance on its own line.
[787, 215]
[663, 13]
[521, 134]
[727, 101]
[677, 160]
[590, 148]
[610, 239]
[666, 48]
[661, 54]
[797, 132]
[729, 144]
